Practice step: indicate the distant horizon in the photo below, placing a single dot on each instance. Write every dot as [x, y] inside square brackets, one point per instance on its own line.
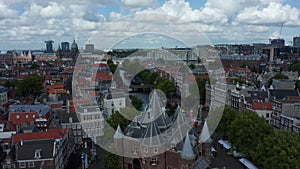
[27, 24]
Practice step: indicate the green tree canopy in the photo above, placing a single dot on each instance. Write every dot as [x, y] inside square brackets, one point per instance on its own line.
[112, 66]
[117, 119]
[137, 102]
[295, 67]
[247, 130]
[30, 86]
[165, 85]
[111, 161]
[228, 116]
[281, 149]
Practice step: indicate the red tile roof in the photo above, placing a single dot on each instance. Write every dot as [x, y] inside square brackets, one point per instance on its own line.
[103, 76]
[262, 106]
[293, 98]
[51, 133]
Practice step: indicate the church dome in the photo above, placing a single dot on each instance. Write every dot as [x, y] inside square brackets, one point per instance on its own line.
[74, 45]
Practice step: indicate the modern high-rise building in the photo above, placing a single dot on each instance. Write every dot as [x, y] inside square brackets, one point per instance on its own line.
[89, 48]
[49, 46]
[65, 46]
[277, 42]
[296, 41]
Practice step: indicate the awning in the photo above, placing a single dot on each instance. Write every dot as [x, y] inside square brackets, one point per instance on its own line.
[247, 163]
[225, 144]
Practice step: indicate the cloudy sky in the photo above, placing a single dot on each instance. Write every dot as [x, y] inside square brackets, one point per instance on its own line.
[28, 23]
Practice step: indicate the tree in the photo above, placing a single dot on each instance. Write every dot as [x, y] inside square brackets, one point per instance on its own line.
[228, 116]
[239, 80]
[201, 87]
[34, 66]
[281, 149]
[247, 130]
[297, 84]
[112, 66]
[111, 161]
[137, 102]
[165, 85]
[30, 86]
[117, 119]
[295, 67]
[192, 66]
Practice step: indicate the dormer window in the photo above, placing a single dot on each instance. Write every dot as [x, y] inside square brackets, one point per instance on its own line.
[135, 150]
[173, 146]
[37, 153]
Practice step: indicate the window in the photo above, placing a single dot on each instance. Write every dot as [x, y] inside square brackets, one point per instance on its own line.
[267, 115]
[169, 167]
[154, 161]
[173, 146]
[146, 150]
[31, 164]
[135, 150]
[18, 116]
[26, 116]
[144, 161]
[155, 150]
[33, 116]
[37, 153]
[22, 165]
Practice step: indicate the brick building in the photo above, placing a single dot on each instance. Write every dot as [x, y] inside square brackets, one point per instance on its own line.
[156, 140]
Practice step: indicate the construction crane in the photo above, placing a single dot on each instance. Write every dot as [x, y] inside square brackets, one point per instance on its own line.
[280, 31]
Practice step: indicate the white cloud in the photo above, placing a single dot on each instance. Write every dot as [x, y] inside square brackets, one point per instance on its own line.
[7, 13]
[139, 3]
[114, 15]
[53, 10]
[273, 14]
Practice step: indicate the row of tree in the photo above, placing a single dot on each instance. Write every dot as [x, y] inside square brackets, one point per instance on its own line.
[30, 86]
[251, 135]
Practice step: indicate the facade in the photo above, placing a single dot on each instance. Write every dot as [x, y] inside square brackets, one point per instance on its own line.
[89, 48]
[296, 41]
[65, 46]
[286, 113]
[147, 143]
[243, 96]
[219, 94]
[92, 121]
[3, 96]
[112, 101]
[240, 60]
[49, 46]
[263, 109]
[70, 121]
[277, 42]
[50, 150]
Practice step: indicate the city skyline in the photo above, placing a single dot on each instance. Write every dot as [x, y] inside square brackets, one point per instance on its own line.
[27, 24]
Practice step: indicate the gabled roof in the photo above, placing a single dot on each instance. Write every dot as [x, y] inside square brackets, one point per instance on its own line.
[28, 149]
[187, 150]
[205, 134]
[152, 136]
[118, 133]
[156, 111]
[280, 94]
